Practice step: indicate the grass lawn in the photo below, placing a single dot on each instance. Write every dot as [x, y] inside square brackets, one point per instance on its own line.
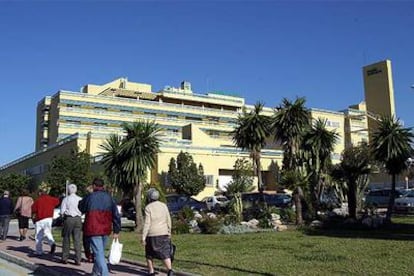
[326, 252]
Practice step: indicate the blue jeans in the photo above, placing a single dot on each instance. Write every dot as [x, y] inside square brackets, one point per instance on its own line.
[98, 244]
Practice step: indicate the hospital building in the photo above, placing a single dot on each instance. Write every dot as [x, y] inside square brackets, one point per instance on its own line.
[193, 122]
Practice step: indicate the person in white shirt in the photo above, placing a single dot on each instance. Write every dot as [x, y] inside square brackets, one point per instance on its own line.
[72, 225]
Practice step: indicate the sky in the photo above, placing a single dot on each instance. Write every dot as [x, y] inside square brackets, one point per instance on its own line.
[260, 50]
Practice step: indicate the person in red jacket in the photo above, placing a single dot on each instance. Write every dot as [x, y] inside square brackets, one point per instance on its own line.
[42, 212]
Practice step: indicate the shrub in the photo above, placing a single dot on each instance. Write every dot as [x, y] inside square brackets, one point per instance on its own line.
[235, 229]
[287, 214]
[209, 225]
[180, 226]
[186, 213]
[230, 219]
[254, 212]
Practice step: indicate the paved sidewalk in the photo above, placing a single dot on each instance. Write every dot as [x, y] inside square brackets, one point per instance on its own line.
[22, 253]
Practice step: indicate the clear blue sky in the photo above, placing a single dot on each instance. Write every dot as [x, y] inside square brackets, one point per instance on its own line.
[263, 51]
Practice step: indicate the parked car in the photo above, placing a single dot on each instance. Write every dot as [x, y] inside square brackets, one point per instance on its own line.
[405, 204]
[278, 200]
[58, 220]
[126, 209]
[216, 202]
[381, 198]
[177, 202]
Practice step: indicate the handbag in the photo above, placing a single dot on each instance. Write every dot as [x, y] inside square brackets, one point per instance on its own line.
[173, 248]
[17, 212]
[116, 252]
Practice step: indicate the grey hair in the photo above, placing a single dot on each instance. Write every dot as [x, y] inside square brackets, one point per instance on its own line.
[72, 189]
[153, 194]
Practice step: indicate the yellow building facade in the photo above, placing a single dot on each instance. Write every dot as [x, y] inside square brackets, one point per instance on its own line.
[379, 92]
[200, 124]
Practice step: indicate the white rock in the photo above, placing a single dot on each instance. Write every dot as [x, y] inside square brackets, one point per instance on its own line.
[281, 228]
[197, 215]
[275, 216]
[253, 223]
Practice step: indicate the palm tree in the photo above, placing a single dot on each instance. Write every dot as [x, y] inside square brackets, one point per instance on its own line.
[318, 144]
[289, 124]
[127, 160]
[353, 171]
[297, 181]
[138, 154]
[113, 165]
[391, 145]
[250, 134]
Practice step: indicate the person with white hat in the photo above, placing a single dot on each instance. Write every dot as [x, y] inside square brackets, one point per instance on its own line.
[156, 236]
[6, 209]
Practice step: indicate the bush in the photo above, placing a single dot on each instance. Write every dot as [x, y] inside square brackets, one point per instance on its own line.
[180, 226]
[254, 212]
[235, 229]
[287, 215]
[186, 213]
[210, 225]
[230, 219]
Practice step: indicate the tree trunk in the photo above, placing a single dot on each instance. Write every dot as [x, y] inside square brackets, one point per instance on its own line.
[315, 183]
[257, 170]
[259, 174]
[352, 204]
[139, 222]
[297, 197]
[391, 202]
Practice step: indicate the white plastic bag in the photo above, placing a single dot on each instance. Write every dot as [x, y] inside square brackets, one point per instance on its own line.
[116, 252]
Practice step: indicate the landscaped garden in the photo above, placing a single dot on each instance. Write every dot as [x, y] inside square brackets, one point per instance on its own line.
[333, 251]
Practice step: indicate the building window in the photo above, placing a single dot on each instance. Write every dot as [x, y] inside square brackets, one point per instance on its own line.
[73, 122]
[73, 105]
[332, 124]
[209, 180]
[100, 108]
[192, 118]
[152, 114]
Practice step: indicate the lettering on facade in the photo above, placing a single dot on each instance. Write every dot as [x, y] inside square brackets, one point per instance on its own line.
[374, 71]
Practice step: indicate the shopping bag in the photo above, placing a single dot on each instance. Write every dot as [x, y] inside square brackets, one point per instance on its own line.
[116, 252]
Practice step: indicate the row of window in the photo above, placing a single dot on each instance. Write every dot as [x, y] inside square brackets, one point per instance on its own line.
[154, 114]
[333, 124]
[103, 107]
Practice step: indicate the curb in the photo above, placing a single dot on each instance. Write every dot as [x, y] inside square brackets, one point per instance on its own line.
[29, 265]
[44, 270]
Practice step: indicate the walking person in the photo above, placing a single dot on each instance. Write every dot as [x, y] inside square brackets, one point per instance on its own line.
[156, 236]
[23, 210]
[72, 225]
[42, 213]
[101, 218]
[6, 210]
